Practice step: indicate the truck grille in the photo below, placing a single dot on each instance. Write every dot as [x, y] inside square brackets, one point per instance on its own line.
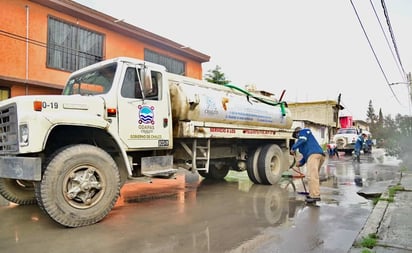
[341, 142]
[9, 141]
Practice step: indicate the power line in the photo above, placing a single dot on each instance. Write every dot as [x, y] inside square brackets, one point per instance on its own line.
[373, 51]
[385, 11]
[387, 42]
[55, 47]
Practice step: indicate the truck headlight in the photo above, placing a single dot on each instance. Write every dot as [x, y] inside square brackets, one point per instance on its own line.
[24, 135]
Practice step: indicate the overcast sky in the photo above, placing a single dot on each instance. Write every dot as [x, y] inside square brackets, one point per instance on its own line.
[315, 50]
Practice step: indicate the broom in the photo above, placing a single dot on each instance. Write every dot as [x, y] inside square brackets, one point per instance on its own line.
[300, 175]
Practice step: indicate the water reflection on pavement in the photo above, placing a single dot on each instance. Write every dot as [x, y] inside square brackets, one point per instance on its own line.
[189, 214]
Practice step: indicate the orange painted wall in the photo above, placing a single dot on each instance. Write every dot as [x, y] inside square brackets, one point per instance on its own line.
[21, 90]
[12, 51]
[13, 45]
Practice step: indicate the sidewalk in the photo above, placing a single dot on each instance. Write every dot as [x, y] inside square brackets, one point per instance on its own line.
[391, 222]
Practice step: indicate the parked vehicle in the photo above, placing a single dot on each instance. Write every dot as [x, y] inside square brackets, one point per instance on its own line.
[368, 144]
[345, 139]
[125, 118]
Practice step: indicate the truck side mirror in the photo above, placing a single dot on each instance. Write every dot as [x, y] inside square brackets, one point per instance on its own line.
[147, 82]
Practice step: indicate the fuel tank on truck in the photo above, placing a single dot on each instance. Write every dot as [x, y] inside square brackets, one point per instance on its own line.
[196, 100]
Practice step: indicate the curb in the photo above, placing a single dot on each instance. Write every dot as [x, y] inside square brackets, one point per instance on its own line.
[374, 221]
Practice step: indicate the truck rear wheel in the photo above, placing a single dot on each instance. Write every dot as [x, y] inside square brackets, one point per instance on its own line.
[17, 191]
[252, 166]
[80, 186]
[216, 171]
[270, 164]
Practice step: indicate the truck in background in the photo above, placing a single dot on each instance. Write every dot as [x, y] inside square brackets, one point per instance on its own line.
[345, 139]
[124, 118]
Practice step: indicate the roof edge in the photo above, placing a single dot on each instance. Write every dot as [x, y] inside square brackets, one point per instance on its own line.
[90, 15]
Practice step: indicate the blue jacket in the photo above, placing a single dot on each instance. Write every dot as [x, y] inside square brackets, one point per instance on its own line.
[359, 143]
[307, 145]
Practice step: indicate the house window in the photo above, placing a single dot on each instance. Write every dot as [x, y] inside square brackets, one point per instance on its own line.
[4, 93]
[70, 47]
[172, 65]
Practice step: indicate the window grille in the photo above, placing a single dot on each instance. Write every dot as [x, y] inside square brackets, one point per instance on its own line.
[172, 65]
[70, 47]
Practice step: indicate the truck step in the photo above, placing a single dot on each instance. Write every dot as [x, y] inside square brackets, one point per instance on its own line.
[161, 173]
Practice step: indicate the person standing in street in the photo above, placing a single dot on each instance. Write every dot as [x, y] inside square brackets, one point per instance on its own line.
[333, 150]
[358, 146]
[313, 157]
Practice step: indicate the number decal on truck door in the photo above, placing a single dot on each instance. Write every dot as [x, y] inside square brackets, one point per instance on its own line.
[52, 105]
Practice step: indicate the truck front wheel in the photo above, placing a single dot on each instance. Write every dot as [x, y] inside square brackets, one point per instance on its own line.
[17, 191]
[80, 186]
[271, 164]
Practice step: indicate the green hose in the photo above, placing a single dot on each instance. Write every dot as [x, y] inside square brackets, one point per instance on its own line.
[265, 101]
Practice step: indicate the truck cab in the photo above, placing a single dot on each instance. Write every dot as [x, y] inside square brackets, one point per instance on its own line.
[345, 139]
[136, 98]
[123, 119]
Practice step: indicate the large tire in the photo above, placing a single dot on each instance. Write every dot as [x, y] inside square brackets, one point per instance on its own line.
[252, 166]
[204, 174]
[80, 186]
[37, 190]
[217, 171]
[271, 164]
[17, 191]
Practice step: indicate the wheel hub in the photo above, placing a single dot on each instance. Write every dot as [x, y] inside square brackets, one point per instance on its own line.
[83, 186]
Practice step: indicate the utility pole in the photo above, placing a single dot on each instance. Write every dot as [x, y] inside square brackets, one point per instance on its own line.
[409, 83]
[337, 111]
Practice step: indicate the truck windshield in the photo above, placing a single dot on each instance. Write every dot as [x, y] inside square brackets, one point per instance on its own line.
[94, 82]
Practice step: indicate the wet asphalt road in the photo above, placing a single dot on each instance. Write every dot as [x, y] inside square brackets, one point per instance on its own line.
[188, 214]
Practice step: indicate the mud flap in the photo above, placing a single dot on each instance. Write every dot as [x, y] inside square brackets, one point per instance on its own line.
[158, 166]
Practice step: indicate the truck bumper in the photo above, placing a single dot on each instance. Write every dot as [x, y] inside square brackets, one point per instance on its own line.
[23, 168]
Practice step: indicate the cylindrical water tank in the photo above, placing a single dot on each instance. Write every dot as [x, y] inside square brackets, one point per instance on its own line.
[202, 101]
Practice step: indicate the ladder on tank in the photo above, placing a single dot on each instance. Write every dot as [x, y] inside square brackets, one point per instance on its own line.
[200, 154]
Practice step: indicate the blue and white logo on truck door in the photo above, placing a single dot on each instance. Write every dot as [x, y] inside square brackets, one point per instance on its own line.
[146, 114]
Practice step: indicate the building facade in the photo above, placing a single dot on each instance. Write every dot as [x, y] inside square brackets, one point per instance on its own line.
[320, 116]
[43, 41]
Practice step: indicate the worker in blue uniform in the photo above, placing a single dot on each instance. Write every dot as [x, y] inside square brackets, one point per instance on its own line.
[358, 146]
[313, 157]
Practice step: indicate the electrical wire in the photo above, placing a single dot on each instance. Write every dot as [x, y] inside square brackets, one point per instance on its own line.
[373, 51]
[385, 12]
[55, 47]
[387, 41]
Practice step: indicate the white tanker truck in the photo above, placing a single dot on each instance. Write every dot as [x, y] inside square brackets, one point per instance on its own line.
[124, 118]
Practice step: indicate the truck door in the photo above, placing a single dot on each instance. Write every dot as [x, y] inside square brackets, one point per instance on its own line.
[144, 115]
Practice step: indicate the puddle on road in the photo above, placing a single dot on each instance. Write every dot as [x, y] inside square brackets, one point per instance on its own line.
[190, 214]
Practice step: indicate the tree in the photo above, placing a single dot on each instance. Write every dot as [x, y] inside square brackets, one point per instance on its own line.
[371, 117]
[395, 135]
[370, 113]
[216, 76]
[380, 118]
